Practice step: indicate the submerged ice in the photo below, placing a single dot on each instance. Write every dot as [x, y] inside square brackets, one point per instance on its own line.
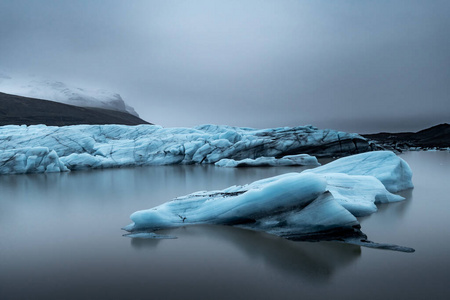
[105, 146]
[310, 205]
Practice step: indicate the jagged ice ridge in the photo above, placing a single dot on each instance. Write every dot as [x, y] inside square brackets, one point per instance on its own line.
[80, 147]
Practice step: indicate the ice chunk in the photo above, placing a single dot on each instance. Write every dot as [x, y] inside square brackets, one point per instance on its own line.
[30, 160]
[391, 170]
[235, 205]
[294, 206]
[289, 160]
[299, 206]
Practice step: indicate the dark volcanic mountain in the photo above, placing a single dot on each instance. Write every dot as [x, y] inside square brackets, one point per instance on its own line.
[434, 137]
[17, 110]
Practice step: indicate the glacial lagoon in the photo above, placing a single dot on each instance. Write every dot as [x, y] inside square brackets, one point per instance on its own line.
[60, 238]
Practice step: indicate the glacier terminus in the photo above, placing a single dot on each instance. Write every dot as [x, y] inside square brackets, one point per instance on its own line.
[79, 147]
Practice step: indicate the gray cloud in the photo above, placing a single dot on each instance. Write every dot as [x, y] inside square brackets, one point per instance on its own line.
[351, 65]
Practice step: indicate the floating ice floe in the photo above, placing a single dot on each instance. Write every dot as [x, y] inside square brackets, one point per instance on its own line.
[106, 146]
[288, 160]
[297, 206]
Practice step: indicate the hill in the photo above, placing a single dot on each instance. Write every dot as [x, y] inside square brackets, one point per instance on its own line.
[54, 90]
[434, 137]
[18, 110]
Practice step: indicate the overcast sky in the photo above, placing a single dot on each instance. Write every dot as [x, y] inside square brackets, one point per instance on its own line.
[357, 65]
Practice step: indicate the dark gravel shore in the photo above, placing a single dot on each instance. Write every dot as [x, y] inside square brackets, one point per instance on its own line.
[436, 137]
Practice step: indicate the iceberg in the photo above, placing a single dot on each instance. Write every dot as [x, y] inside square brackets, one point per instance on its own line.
[295, 206]
[288, 160]
[235, 205]
[106, 146]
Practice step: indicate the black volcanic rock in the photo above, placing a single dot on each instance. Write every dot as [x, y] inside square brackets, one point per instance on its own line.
[434, 137]
[17, 110]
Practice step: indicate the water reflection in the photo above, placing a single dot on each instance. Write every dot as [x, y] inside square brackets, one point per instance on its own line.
[144, 244]
[311, 261]
[392, 212]
[60, 238]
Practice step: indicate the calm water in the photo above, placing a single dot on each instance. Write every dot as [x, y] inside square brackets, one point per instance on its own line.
[60, 238]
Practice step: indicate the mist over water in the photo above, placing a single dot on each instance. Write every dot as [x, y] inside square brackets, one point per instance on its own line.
[60, 238]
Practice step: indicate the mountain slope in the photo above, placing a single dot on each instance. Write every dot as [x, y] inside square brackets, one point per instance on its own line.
[434, 137]
[18, 110]
[41, 88]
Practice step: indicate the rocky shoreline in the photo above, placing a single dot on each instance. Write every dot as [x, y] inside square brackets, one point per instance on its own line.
[433, 138]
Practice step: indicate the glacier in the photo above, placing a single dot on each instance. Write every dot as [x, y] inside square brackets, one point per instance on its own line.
[80, 147]
[311, 205]
[57, 91]
[288, 160]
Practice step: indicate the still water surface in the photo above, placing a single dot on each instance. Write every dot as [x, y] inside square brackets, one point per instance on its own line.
[60, 238]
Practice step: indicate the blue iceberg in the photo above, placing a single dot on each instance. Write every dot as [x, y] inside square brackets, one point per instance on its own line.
[312, 205]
